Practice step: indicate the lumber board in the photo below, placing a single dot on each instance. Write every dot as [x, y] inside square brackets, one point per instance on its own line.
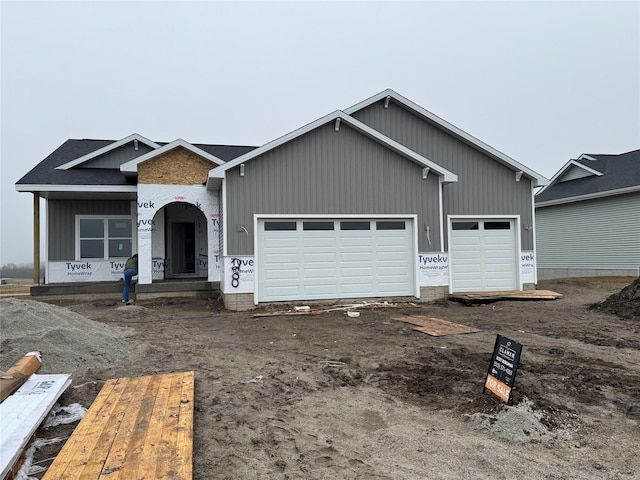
[185, 429]
[137, 428]
[436, 327]
[136, 414]
[488, 297]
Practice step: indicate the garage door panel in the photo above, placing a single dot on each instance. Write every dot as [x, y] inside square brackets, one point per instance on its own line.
[484, 258]
[324, 263]
[309, 258]
[282, 275]
[356, 257]
[356, 271]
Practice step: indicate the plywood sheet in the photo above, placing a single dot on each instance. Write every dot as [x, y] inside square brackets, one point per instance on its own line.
[436, 327]
[136, 428]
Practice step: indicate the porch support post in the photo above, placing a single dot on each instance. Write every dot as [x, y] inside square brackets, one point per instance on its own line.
[36, 238]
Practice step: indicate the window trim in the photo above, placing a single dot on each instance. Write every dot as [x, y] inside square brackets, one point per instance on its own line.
[105, 238]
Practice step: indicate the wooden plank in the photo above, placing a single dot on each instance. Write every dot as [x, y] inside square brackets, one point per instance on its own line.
[168, 461]
[435, 326]
[98, 456]
[487, 297]
[140, 428]
[131, 445]
[123, 447]
[185, 429]
[76, 452]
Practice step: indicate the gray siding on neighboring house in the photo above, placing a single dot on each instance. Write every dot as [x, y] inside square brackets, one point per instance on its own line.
[62, 217]
[484, 186]
[117, 157]
[332, 173]
[597, 234]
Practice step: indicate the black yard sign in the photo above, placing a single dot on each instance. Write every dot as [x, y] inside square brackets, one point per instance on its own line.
[503, 367]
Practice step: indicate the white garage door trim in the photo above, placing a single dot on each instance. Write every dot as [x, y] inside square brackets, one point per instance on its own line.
[401, 264]
[468, 252]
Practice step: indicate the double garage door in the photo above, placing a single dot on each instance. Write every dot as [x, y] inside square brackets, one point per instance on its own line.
[483, 255]
[318, 258]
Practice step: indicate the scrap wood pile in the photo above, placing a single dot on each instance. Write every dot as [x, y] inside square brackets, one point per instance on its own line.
[307, 310]
[624, 304]
[471, 298]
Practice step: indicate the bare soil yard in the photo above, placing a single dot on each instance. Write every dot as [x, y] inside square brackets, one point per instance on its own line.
[329, 396]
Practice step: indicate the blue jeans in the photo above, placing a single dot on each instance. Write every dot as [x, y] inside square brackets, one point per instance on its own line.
[128, 274]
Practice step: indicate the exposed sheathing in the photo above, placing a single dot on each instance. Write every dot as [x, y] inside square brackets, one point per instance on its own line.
[176, 167]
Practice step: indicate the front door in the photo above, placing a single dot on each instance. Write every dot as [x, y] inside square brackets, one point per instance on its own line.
[182, 249]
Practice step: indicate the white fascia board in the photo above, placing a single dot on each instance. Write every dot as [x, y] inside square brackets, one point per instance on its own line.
[565, 167]
[132, 165]
[106, 149]
[538, 180]
[77, 188]
[589, 196]
[585, 156]
[448, 176]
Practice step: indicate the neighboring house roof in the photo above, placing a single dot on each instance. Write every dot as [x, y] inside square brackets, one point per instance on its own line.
[592, 176]
[538, 180]
[338, 117]
[62, 170]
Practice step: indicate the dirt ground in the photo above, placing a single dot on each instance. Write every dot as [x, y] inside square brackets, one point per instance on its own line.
[329, 396]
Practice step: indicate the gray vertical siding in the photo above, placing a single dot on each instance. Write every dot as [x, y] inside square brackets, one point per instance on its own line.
[117, 157]
[331, 173]
[601, 233]
[484, 186]
[62, 217]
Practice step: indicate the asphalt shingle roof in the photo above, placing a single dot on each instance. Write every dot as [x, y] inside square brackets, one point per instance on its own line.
[45, 172]
[618, 172]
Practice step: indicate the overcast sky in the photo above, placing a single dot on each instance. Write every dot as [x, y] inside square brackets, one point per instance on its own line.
[542, 82]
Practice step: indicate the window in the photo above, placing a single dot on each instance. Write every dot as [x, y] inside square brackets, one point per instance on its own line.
[497, 225]
[279, 226]
[390, 225]
[464, 226]
[104, 237]
[317, 225]
[355, 225]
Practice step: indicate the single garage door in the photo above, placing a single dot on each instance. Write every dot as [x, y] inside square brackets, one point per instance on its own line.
[483, 255]
[312, 259]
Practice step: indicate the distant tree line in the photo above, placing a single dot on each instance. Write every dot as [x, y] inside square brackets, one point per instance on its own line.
[11, 270]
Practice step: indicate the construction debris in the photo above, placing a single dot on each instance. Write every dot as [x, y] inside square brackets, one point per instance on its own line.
[23, 412]
[470, 298]
[306, 310]
[19, 373]
[436, 327]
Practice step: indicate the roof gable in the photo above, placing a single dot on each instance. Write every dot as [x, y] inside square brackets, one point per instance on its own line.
[113, 146]
[593, 176]
[337, 117]
[572, 170]
[131, 167]
[388, 95]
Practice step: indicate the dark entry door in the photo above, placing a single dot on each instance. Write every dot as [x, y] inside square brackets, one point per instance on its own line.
[183, 248]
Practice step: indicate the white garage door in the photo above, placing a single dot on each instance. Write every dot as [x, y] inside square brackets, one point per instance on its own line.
[312, 259]
[483, 255]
